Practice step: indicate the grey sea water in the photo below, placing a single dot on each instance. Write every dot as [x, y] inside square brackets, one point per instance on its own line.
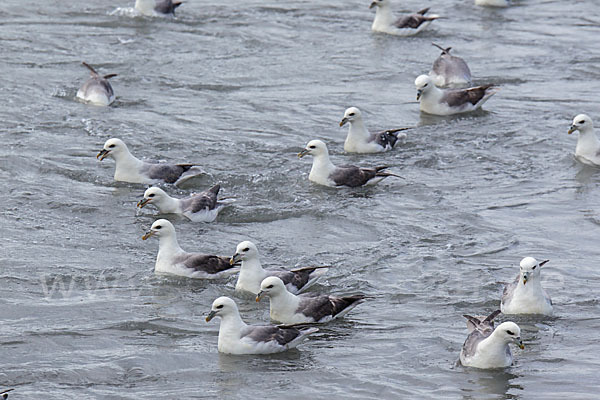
[240, 87]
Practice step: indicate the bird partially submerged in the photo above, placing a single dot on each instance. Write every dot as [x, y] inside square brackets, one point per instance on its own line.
[97, 89]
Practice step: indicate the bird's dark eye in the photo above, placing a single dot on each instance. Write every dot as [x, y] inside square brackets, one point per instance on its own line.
[425, 85]
[581, 122]
[219, 306]
[157, 227]
[246, 249]
[509, 332]
[112, 146]
[270, 287]
[312, 147]
[151, 195]
[534, 267]
[351, 114]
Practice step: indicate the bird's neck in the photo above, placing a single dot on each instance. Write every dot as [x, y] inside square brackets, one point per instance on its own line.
[168, 246]
[283, 303]
[495, 350]
[383, 16]
[587, 143]
[322, 165]
[125, 164]
[168, 205]
[231, 327]
[357, 133]
[251, 275]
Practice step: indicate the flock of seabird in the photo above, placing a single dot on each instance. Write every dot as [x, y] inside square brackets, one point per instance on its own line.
[446, 90]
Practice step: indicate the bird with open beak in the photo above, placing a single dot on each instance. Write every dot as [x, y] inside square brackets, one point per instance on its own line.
[525, 294]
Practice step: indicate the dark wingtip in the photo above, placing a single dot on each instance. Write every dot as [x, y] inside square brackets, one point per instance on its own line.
[215, 189]
[492, 316]
[544, 262]
[444, 50]
[88, 66]
[423, 11]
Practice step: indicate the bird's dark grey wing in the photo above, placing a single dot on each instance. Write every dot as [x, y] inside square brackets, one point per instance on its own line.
[448, 65]
[206, 200]
[413, 20]
[167, 6]
[459, 97]
[509, 290]
[350, 175]
[474, 338]
[166, 172]
[319, 307]
[204, 262]
[268, 333]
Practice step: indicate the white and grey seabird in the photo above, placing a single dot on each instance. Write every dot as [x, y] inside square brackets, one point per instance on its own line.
[288, 308]
[486, 347]
[406, 25]
[360, 140]
[130, 169]
[173, 260]
[525, 294]
[436, 101]
[587, 150]
[199, 207]
[97, 89]
[252, 272]
[235, 337]
[325, 173]
[449, 71]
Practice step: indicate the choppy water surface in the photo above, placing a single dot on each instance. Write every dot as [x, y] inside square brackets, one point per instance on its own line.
[240, 87]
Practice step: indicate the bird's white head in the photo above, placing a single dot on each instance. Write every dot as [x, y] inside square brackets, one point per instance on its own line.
[160, 228]
[270, 286]
[153, 195]
[244, 251]
[423, 84]
[379, 3]
[222, 307]
[530, 269]
[509, 332]
[352, 114]
[113, 148]
[581, 123]
[314, 148]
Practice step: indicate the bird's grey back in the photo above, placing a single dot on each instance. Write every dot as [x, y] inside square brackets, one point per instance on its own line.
[267, 333]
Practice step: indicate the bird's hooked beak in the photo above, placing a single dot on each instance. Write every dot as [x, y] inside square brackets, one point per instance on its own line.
[373, 4]
[148, 234]
[143, 202]
[260, 295]
[103, 154]
[519, 343]
[211, 315]
[304, 152]
[419, 93]
[343, 121]
[235, 259]
[525, 277]
[572, 129]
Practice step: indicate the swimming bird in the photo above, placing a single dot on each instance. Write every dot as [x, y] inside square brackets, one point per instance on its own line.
[199, 207]
[157, 7]
[287, 308]
[450, 101]
[487, 347]
[252, 272]
[588, 145]
[235, 337]
[492, 3]
[173, 260]
[360, 140]
[97, 90]
[325, 173]
[130, 169]
[525, 295]
[406, 25]
[450, 71]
